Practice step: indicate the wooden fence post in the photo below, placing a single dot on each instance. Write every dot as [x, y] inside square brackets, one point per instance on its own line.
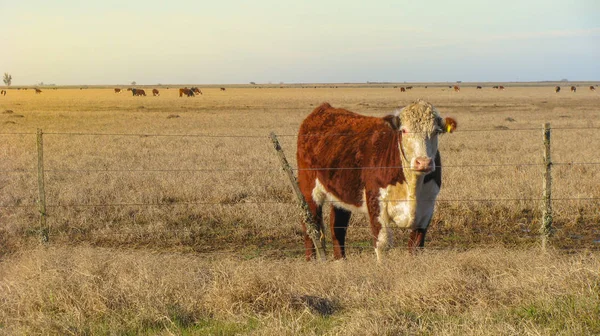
[312, 229]
[546, 228]
[44, 231]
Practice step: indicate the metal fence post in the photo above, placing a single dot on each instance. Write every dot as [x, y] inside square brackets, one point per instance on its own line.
[312, 229]
[44, 231]
[546, 228]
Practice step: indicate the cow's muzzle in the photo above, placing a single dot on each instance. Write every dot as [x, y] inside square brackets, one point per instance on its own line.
[422, 164]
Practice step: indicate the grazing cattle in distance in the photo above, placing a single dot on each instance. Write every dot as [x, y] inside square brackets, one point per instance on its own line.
[573, 89]
[222, 89]
[592, 88]
[3, 93]
[155, 92]
[409, 87]
[117, 90]
[402, 89]
[456, 88]
[38, 91]
[137, 92]
[189, 92]
[186, 91]
[479, 87]
[388, 168]
[557, 89]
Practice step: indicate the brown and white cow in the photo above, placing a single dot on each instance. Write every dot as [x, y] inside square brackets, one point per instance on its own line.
[557, 89]
[389, 168]
[573, 88]
[155, 92]
[117, 90]
[456, 88]
[592, 88]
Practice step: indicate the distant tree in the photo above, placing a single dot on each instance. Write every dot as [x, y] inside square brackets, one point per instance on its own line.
[7, 79]
[253, 83]
[133, 83]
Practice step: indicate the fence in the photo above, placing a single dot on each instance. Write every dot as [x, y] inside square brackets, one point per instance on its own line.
[545, 199]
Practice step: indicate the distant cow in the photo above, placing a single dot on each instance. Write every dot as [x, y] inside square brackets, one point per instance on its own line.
[495, 87]
[557, 89]
[222, 89]
[155, 92]
[388, 168]
[479, 87]
[456, 88]
[573, 89]
[117, 90]
[189, 92]
[402, 89]
[137, 92]
[500, 87]
[38, 91]
[409, 87]
[592, 88]
[3, 93]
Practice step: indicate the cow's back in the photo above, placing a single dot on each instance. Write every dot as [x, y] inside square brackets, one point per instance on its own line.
[334, 145]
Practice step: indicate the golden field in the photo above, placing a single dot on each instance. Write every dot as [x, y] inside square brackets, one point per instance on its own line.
[172, 215]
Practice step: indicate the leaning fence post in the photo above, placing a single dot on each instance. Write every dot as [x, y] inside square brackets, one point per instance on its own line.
[312, 228]
[42, 192]
[546, 228]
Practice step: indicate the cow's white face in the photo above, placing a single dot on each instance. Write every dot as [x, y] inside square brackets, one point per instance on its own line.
[420, 125]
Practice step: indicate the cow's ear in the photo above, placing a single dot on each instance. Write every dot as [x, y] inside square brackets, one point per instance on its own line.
[449, 125]
[393, 121]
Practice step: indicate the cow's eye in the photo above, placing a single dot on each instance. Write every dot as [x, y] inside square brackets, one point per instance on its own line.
[404, 131]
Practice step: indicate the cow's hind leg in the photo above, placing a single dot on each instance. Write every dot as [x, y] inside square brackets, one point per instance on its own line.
[317, 211]
[339, 220]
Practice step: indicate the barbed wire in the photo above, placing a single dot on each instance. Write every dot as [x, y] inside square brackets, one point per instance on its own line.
[226, 203]
[280, 135]
[525, 164]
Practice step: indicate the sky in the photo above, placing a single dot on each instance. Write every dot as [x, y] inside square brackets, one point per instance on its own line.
[76, 42]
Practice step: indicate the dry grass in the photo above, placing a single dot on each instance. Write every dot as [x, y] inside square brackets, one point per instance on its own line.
[83, 290]
[103, 273]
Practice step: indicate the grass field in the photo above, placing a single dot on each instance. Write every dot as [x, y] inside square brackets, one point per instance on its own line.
[171, 215]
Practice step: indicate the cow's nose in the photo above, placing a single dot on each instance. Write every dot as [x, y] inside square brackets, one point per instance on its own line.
[422, 164]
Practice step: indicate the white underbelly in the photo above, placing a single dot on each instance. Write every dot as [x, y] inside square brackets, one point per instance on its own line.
[320, 195]
[408, 212]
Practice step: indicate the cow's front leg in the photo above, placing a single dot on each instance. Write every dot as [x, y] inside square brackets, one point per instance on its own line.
[382, 234]
[416, 240]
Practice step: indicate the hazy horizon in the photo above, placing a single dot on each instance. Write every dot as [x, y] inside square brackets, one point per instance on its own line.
[236, 42]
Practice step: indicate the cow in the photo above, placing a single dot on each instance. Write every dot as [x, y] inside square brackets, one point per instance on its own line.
[137, 92]
[592, 88]
[573, 88]
[456, 88]
[196, 90]
[402, 89]
[557, 89]
[3, 93]
[500, 87]
[479, 87]
[222, 89]
[155, 92]
[409, 87]
[495, 87]
[117, 90]
[37, 91]
[388, 168]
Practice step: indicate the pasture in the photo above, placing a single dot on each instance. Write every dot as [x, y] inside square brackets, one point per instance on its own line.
[172, 215]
